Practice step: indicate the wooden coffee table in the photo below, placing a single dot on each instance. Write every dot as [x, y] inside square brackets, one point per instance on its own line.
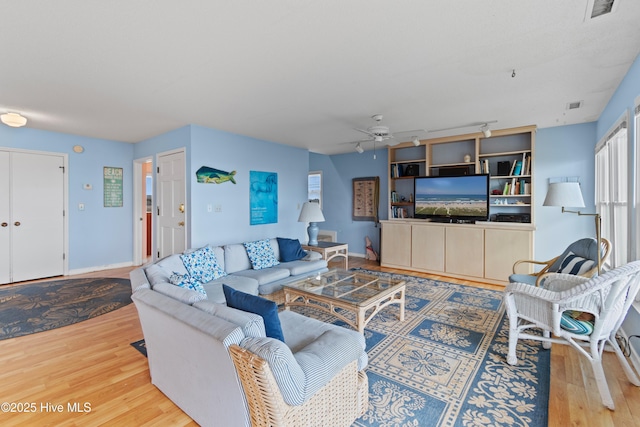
[337, 289]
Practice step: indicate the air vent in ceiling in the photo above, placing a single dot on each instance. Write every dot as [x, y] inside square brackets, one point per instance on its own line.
[574, 105]
[597, 8]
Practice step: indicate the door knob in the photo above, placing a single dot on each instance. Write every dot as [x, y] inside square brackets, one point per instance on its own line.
[181, 208]
[17, 223]
[4, 224]
[181, 223]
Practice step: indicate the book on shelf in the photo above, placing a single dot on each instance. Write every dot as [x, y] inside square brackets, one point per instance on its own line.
[523, 184]
[527, 188]
[485, 166]
[517, 169]
[512, 187]
[505, 190]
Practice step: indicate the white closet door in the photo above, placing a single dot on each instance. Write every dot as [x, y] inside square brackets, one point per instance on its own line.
[5, 219]
[37, 223]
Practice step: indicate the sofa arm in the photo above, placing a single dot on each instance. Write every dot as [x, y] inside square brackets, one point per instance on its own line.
[138, 280]
[301, 375]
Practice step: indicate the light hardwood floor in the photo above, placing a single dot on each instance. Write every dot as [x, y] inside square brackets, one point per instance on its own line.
[92, 366]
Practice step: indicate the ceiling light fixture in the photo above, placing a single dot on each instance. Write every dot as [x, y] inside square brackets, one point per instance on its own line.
[485, 130]
[415, 140]
[14, 120]
[359, 148]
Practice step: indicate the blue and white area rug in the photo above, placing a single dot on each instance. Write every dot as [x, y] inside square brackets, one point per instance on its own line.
[445, 365]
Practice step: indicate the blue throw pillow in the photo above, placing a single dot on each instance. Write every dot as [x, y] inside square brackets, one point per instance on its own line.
[290, 249]
[255, 304]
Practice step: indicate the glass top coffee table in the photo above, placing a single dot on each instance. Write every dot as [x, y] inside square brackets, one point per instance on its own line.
[362, 294]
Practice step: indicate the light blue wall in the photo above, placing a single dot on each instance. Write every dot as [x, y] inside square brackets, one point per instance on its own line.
[563, 151]
[337, 203]
[229, 152]
[98, 236]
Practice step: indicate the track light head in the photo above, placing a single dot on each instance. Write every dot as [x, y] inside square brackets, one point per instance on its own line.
[415, 140]
[359, 148]
[485, 130]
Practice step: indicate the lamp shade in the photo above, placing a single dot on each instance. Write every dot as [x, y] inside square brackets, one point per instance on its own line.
[311, 212]
[564, 194]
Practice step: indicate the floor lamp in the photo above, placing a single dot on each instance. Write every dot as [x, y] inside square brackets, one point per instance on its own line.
[569, 194]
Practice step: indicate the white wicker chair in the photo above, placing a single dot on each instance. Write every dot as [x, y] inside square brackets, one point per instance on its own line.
[608, 297]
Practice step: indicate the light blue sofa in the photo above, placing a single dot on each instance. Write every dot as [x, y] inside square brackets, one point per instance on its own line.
[234, 260]
[188, 341]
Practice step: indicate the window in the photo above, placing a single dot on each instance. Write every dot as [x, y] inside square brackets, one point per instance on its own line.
[315, 187]
[612, 184]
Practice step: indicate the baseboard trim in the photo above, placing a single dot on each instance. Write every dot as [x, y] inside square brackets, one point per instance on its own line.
[98, 268]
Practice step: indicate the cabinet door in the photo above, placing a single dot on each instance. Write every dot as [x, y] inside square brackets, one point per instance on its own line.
[396, 244]
[427, 247]
[503, 248]
[5, 219]
[464, 251]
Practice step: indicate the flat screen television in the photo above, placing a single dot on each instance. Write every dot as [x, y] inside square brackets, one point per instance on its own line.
[452, 198]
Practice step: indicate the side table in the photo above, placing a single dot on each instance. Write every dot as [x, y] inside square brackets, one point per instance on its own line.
[330, 250]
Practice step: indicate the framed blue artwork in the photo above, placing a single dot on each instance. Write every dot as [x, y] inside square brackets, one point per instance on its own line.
[263, 197]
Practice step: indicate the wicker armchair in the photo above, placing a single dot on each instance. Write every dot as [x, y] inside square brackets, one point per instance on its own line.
[339, 403]
[584, 248]
[606, 297]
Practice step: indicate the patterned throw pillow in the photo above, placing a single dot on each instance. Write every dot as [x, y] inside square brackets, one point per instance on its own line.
[187, 282]
[261, 254]
[202, 265]
[572, 321]
[573, 264]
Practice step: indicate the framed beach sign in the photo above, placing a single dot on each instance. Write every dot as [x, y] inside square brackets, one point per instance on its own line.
[112, 179]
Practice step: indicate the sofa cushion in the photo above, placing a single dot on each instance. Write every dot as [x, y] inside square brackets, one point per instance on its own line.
[266, 275]
[172, 263]
[186, 281]
[236, 258]
[156, 274]
[290, 249]
[185, 296]
[312, 256]
[261, 254]
[252, 324]
[202, 265]
[255, 304]
[302, 267]
[239, 283]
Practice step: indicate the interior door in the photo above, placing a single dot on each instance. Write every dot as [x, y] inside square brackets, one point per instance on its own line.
[5, 219]
[37, 216]
[172, 237]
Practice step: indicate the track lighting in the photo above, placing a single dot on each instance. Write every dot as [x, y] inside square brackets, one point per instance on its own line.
[485, 130]
[14, 120]
[359, 148]
[415, 140]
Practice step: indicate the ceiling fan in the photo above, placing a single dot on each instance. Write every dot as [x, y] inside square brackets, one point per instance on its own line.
[379, 133]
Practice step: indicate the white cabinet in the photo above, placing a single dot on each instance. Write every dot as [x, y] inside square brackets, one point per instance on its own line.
[426, 247]
[483, 251]
[464, 251]
[397, 250]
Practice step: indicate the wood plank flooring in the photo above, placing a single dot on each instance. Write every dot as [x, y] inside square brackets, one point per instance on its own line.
[88, 374]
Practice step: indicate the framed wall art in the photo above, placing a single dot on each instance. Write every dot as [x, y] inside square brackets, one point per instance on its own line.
[366, 198]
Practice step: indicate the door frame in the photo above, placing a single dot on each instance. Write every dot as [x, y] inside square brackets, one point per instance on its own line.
[138, 198]
[65, 201]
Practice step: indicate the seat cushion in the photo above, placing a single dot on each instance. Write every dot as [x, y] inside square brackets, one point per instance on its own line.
[239, 283]
[523, 278]
[302, 267]
[252, 324]
[266, 275]
[574, 323]
[255, 304]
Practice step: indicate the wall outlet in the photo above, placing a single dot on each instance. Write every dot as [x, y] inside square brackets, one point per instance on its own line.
[80, 206]
[218, 208]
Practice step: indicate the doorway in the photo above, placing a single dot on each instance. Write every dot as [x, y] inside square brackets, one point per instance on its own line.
[143, 211]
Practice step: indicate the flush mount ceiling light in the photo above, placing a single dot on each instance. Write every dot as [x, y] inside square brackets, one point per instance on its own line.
[415, 140]
[359, 148]
[14, 120]
[485, 130]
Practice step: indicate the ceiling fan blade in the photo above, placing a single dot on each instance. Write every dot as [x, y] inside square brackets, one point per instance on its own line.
[365, 132]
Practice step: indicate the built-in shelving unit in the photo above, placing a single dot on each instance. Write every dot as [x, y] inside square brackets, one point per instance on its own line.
[484, 250]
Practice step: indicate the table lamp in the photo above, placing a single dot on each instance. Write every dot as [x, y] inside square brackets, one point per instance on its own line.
[312, 214]
[569, 194]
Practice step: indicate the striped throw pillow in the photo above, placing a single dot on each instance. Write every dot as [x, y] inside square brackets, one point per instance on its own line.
[573, 264]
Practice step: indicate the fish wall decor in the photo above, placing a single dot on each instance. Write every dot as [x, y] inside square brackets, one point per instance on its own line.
[207, 175]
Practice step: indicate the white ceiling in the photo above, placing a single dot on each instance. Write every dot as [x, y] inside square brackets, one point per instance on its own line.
[306, 73]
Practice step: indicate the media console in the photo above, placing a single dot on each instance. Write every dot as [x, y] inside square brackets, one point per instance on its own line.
[484, 251]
